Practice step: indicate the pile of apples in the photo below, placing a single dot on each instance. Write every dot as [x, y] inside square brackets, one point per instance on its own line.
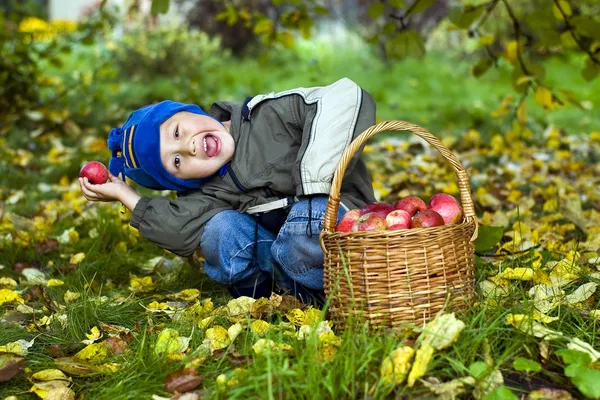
[409, 212]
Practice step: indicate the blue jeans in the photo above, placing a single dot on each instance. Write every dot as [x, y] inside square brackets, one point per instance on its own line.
[240, 252]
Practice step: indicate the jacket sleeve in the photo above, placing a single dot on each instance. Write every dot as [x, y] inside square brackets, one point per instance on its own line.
[330, 118]
[175, 225]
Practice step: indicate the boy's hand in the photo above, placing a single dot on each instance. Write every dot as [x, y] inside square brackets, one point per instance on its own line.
[115, 190]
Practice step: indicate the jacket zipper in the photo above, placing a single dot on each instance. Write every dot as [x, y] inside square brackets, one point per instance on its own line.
[235, 179]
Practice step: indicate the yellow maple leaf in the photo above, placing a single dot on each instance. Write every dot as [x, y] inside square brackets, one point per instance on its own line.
[94, 334]
[422, 359]
[10, 296]
[328, 346]
[77, 258]
[519, 273]
[543, 96]
[141, 285]
[94, 353]
[442, 331]
[108, 368]
[239, 309]
[169, 342]
[512, 50]
[20, 347]
[54, 282]
[260, 327]
[264, 345]
[50, 375]
[395, 367]
[71, 296]
[296, 316]
[206, 322]
[218, 336]
[186, 295]
[7, 283]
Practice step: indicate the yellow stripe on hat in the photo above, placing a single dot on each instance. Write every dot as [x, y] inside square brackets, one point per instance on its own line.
[124, 149]
[129, 147]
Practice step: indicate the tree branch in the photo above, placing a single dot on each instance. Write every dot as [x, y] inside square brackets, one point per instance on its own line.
[488, 11]
[517, 29]
[571, 30]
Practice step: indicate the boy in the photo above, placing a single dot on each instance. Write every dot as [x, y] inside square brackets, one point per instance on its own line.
[252, 178]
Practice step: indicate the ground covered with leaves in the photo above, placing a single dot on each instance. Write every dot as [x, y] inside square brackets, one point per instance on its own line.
[90, 310]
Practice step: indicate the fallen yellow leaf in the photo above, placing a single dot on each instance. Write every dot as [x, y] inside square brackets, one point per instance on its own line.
[395, 367]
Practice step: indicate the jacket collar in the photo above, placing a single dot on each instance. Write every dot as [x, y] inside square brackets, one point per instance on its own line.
[228, 110]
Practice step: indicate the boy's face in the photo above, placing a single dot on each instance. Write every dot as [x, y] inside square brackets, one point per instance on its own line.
[194, 146]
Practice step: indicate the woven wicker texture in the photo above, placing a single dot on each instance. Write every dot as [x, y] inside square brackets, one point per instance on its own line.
[388, 278]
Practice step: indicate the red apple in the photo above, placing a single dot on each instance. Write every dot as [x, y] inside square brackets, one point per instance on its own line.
[369, 222]
[410, 204]
[380, 208]
[398, 227]
[345, 224]
[95, 171]
[399, 219]
[447, 206]
[426, 219]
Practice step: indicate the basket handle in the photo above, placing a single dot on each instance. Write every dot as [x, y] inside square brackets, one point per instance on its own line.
[463, 179]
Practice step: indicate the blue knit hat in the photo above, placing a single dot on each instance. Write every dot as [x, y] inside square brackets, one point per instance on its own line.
[136, 147]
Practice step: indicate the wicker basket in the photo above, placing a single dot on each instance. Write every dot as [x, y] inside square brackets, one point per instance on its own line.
[388, 278]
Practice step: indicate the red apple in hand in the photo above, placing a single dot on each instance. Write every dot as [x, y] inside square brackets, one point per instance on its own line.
[426, 219]
[380, 208]
[398, 219]
[447, 206]
[410, 204]
[95, 171]
[345, 224]
[369, 222]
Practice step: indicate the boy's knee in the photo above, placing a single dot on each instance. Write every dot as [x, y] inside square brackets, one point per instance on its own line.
[217, 234]
[299, 254]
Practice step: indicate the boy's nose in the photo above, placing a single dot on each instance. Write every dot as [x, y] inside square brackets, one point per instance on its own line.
[193, 147]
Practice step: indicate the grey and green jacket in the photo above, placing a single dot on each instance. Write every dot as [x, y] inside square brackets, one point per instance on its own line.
[287, 144]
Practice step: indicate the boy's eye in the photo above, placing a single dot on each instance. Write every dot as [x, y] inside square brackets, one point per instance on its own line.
[176, 162]
[176, 133]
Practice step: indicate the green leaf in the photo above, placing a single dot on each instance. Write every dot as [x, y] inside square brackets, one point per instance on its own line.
[586, 379]
[405, 44]
[388, 28]
[501, 393]
[463, 17]
[488, 237]
[482, 66]
[526, 365]
[320, 10]
[396, 3]
[571, 98]
[591, 70]
[263, 25]
[286, 39]
[562, 10]
[422, 5]
[571, 357]
[586, 26]
[376, 10]
[478, 370]
[88, 39]
[159, 7]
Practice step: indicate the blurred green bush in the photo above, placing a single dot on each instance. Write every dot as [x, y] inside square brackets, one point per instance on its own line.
[185, 57]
